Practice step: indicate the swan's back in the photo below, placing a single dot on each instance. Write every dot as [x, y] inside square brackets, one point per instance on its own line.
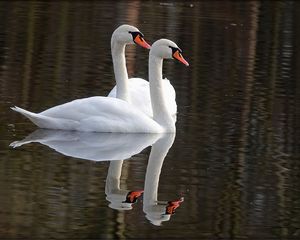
[94, 114]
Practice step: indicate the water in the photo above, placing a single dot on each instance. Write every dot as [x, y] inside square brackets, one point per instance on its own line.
[235, 156]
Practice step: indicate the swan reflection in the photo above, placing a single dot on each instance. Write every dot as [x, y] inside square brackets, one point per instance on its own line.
[120, 199]
[91, 145]
[158, 211]
[115, 147]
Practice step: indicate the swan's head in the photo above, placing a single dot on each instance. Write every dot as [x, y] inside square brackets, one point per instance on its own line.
[127, 34]
[167, 49]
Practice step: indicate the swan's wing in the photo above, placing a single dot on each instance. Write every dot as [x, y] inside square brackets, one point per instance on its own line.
[98, 114]
[135, 84]
[44, 121]
[139, 94]
[170, 96]
[113, 92]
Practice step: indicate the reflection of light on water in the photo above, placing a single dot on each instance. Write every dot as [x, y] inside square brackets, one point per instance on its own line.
[259, 205]
[231, 207]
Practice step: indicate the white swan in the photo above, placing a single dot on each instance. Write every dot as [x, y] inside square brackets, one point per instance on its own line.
[134, 90]
[105, 114]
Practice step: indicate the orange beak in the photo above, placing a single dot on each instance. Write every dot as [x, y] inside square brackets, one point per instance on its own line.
[141, 41]
[177, 55]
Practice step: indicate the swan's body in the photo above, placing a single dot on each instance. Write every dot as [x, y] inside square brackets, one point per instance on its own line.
[134, 90]
[105, 114]
[94, 114]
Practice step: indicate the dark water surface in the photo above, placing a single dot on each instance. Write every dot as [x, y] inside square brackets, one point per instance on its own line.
[235, 156]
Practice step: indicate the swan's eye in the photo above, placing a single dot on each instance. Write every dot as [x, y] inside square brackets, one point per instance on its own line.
[134, 34]
[177, 55]
[138, 38]
[174, 49]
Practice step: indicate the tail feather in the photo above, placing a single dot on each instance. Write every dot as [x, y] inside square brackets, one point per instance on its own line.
[43, 121]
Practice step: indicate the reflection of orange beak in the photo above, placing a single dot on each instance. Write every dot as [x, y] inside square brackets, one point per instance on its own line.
[177, 55]
[133, 196]
[172, 205]
[141, 41]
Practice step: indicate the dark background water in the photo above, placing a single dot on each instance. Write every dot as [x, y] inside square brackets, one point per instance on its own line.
[235, 158]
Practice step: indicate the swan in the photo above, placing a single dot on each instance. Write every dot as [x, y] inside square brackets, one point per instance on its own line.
[106, 114]
[134, 90]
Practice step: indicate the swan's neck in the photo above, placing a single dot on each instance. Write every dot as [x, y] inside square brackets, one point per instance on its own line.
[120, 70]
[161, 113]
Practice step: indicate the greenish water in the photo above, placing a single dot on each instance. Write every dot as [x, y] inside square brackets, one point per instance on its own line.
[235, 156]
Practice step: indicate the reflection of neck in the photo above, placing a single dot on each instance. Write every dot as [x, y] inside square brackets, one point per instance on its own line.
[112, 185]
[158, 153]
[160, 111]
[120, 70]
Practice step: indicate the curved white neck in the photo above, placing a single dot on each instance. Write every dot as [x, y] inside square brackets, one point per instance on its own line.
[161, 113]
[120, 70]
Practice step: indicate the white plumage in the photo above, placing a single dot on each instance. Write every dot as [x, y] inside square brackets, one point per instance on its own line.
[106, 114]
[139, 94]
